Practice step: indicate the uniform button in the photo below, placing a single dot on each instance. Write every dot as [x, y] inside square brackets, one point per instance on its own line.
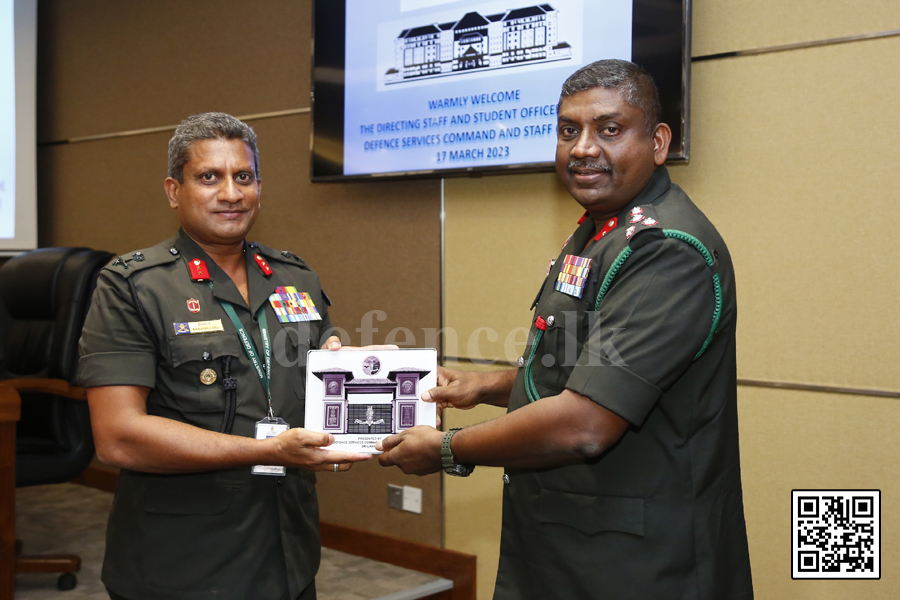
[505, 478]
[551, 320]
[207, 356]
[173, 251]
[253, 245]
[521, 361]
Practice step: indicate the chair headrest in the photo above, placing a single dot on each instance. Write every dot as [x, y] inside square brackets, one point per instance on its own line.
[28, 283]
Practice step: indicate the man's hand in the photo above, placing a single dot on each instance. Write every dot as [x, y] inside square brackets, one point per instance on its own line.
[305, 449]
[467, 389]
[334, 343]
[417, 451]
[459, 389]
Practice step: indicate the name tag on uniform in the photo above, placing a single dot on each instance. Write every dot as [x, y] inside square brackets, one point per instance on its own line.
[573, 275]
[198, 327]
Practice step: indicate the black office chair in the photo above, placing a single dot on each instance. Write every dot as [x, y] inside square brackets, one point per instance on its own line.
[44, 297]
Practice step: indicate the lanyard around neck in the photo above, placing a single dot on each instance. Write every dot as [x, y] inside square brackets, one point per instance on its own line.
[263, 367]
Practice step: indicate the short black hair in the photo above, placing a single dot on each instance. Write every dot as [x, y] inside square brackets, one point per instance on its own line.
[208, 126]
[636, 85]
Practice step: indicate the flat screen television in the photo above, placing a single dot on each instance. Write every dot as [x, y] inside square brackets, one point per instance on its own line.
[438, 88]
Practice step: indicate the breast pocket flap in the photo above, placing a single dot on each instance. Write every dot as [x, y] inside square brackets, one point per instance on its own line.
[185, 348]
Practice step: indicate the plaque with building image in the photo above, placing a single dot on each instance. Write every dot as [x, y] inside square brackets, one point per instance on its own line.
[363, 396]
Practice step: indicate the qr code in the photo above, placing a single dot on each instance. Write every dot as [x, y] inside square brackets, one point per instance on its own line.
[836, 534]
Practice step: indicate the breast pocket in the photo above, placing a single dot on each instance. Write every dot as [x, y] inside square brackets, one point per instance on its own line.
[561, 342]
[196, 364]
[290, 345]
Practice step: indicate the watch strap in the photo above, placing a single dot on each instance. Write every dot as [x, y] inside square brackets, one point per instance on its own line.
[446, 454]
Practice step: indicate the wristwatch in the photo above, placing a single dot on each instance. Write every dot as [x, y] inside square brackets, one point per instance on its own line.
[447, 460]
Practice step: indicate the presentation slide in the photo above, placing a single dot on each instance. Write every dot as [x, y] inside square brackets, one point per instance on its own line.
[7, 121]
[450, 84]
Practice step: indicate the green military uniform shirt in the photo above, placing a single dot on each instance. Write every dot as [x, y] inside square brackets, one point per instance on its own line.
[659, 515]
[225, 534]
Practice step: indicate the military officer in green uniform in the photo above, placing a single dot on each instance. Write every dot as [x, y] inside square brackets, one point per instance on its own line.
[620, 444]
[193, 354]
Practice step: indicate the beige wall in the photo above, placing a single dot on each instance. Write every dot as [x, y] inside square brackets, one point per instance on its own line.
[792, 158]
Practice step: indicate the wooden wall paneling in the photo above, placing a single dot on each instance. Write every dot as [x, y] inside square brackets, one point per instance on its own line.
[107, 66]
[106, 195]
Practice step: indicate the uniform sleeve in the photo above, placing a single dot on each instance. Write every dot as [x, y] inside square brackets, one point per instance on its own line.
[115, 347]
[652, 322]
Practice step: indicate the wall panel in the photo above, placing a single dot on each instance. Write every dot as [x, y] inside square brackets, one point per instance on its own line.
[748, 24]
[802, 440]
[106, 65]
[793, 160]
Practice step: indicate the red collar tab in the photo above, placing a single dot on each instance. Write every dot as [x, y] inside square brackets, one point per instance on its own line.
[583, 218]
[610, 225]
[198, 270]
[263, 265]
[541, 324]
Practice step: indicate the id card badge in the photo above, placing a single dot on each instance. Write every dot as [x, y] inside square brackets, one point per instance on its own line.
[265, 429]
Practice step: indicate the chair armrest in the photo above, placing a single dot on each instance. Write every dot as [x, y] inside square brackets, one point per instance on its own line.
[60, 387]
[10, 402]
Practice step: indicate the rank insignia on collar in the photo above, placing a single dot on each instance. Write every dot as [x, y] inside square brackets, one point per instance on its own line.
[193, 305]
[198, 270]
[610, 225]
[573, 275]
[629, 232]
[291, 306]
[648, 221]
[636, 217]
[263, 265]
[637, 210]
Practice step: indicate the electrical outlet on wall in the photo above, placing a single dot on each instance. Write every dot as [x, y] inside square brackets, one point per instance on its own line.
[395, 496]
[412, 499]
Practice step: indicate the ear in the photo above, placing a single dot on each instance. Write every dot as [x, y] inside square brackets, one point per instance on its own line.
[171, 186]
[662, 137]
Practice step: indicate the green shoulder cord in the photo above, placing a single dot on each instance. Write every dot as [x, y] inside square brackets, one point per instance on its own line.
[531, 389]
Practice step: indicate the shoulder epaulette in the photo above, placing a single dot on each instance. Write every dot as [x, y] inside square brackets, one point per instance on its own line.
[285, 256]
[140, 260]
[641, 219]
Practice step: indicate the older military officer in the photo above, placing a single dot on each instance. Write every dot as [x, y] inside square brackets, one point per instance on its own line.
[191, 376]
[620, 442]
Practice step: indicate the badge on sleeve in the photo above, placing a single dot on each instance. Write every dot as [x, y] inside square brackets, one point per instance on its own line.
[265, 429]
[291, 306]
[573, 275]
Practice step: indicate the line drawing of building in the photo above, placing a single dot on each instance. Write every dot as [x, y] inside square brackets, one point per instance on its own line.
[475, 42]
[370, 405]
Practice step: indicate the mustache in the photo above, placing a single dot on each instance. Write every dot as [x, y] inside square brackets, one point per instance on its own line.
[580, 163]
